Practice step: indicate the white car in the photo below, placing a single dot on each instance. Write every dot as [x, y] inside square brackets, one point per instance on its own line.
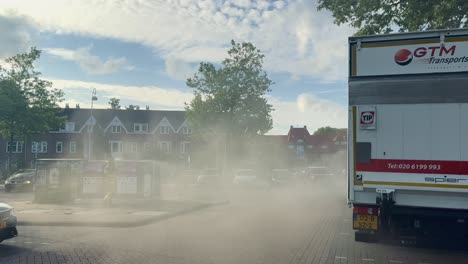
[7, 222]
[248, 178]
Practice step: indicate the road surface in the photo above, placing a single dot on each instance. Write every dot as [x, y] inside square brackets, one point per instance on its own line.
[301, 225]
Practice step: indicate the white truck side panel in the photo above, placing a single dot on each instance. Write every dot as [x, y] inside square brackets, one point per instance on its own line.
[422, 132]
[464, 132]
[445, 131]
[416, 145]
[389, 130]
[436, 132]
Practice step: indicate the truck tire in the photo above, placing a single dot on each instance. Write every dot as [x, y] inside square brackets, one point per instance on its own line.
[360, 236]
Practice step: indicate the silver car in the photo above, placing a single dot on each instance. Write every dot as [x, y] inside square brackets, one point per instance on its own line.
[7, 222]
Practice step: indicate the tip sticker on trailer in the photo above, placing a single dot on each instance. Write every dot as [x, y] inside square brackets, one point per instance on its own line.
[367, 118]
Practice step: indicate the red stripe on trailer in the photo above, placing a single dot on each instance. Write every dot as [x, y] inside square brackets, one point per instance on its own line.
[415, 166]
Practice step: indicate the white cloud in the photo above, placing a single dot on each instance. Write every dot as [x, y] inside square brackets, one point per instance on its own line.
[308, 110]
[17, 34]
[65, 54]
[279, 4]
[178, 69]
[295, 37]
[155, 97]
[241, 3]
[262, 4]
[90, 63]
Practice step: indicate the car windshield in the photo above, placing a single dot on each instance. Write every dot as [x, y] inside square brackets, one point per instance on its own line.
[234, 131]
[22, 175]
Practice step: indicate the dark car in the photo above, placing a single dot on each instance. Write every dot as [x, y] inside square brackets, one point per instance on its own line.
[21, 180]
[7, 222]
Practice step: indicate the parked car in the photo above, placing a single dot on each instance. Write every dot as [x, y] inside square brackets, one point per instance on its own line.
[7, 222]
[209, 177]
[318, 173]
[21, 180]
[283, 177]
[248, 178]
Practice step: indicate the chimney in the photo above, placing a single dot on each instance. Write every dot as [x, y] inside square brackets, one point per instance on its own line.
[77, 106]
[147, 107]
[305, 127]
[291, 127]
[67, 105]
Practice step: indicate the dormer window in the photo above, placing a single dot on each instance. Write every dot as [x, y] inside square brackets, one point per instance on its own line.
[70, 126]
[140, 127]
[187, 130]
[116, 129]
[164, 129]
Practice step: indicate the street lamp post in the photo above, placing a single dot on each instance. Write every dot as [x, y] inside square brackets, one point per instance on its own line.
[93, 98]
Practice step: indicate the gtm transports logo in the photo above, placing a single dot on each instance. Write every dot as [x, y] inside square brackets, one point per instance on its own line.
[403, 57]
[429, 55]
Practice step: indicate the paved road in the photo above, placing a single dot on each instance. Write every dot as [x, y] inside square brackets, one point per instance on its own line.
[301, 226]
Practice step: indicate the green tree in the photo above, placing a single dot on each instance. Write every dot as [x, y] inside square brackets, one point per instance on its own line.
[231, 98]
[133, 107]
[329, 131]
[114, 103]
[377, 17]
[33, 103]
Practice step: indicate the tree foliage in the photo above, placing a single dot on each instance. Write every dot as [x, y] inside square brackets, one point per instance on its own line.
[133, 107]
[114, 103]
[330, 131]
[377, 17]
[33, 98]
[231, 98]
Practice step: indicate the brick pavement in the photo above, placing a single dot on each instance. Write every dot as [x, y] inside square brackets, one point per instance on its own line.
[328, 240]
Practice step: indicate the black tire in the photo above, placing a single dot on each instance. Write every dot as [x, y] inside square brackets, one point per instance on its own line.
[360, 236]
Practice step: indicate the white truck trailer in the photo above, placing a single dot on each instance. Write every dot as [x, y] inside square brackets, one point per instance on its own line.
[408, 134]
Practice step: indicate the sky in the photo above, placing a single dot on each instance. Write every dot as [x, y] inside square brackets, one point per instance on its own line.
[142, 51]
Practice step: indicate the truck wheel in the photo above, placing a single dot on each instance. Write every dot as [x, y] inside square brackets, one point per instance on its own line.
[360, 236]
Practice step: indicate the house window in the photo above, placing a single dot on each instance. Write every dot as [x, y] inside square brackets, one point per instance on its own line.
[164, 129]
[165, 146]
[72, 147]
[187, 130]
[140, 127]
[59, 147]
[17, 147]
[184, 147]
[147, 146]
[70, 126]
[39, 147]
[116, 146]
[134, 147]
[116, 129]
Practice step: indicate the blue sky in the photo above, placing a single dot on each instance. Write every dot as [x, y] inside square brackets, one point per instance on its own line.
[142, 51]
